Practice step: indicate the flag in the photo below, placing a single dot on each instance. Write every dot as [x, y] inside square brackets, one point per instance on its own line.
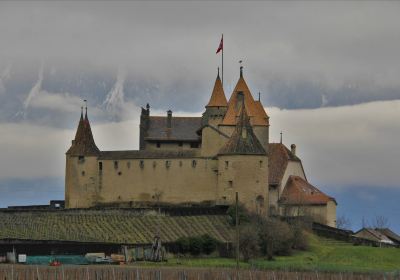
[221, 45]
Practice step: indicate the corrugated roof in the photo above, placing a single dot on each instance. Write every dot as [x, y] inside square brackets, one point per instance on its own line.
[143, 154]
[109, 226]
[182, 129]
[84, 143]
[299, 191]
[253, 110]
[243, 140]
[279, 156]
[218, 98]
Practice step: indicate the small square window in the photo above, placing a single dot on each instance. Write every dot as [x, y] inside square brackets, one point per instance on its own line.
[81, 159]
[158, 144]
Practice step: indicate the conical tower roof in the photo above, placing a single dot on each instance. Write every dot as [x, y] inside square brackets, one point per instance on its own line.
[84, 144]
[218, 98]
[255, 111]
[243, 141]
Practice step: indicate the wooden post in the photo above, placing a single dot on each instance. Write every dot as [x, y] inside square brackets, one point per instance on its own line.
[237, 231]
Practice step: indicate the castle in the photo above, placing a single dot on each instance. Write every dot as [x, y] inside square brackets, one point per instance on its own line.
[197, 161]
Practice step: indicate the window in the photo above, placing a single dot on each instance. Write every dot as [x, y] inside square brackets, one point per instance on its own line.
[226, 164]
[141, 164]
[154, 164]
[83, 173]
[194, 163]
[194, 145]
[158, 144]
[261, 163]
[115, 164]
[128, 164]
[230, 184]
[81, 159]
[119, 173]
[168, 163]
[180, 144]
[100, 167]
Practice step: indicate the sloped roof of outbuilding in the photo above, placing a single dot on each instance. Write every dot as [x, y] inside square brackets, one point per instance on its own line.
[279, 157]
[299, 192]
[182, 129]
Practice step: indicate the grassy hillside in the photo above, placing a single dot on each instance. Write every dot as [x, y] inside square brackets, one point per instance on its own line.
[324, 255]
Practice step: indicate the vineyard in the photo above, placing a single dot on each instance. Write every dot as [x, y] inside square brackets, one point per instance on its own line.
[109, 226]
[116, 273]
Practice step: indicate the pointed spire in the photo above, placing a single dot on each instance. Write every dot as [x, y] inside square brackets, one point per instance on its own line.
[83, 144]
[254, 109]
[218, 98]
[243, 140]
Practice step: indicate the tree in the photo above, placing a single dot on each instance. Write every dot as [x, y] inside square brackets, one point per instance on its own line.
[249, 242]
[381, 222]
[342, 222]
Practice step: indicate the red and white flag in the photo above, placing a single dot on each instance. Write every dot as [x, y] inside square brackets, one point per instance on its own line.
[221, 45]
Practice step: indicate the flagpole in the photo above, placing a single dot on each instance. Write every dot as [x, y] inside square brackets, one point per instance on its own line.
[222, 60]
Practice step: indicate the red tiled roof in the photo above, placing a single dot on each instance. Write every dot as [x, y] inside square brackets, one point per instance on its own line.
[279, 156]
[299, 191]
[253, 110]
[218, 98]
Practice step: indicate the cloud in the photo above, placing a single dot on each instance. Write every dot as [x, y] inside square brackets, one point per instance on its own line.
[341, 146]
[324, 48]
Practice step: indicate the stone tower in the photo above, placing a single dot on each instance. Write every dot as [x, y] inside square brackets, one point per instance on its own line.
[81, 180]
[243, 166]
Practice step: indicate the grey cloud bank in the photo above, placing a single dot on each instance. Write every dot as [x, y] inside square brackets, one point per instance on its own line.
[298, 54]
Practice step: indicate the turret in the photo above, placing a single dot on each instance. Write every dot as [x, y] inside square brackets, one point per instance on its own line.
[216, 106]
[243, 166]
[81, 180]
[144, 126]
[258, 118]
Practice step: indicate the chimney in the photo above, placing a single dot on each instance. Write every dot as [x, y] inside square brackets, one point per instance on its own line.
[169, 119]
[293, 149]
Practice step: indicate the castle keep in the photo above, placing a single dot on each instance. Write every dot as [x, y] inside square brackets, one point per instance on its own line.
[197, 160]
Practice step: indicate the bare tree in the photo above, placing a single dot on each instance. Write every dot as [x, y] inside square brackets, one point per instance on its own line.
[343, 222]
[381, 222]
[365, 223]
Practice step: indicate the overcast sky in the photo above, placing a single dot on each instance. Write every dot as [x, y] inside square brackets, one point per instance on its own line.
[328, 73]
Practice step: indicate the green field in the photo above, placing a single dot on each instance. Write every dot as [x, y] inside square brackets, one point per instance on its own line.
[324, 255]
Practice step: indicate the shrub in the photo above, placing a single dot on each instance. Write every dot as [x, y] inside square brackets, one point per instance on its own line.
[183, 245]
[195, 245]
[249, 242]
[244, 216]
[209, 244]
[276, 237]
